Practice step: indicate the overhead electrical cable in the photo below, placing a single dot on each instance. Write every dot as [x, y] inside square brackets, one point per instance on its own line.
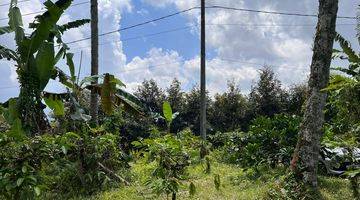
[136, 25]
[272, 12]
[41, 11]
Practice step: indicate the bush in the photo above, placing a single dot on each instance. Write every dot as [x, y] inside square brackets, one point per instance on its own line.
[171, 158]
[71, 164]
[269, 141]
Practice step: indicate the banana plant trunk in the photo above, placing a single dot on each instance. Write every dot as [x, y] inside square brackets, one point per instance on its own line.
[30, 106]
[305, 159]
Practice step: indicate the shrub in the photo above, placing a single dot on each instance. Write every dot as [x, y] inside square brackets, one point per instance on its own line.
[269, 141]
[171, 161]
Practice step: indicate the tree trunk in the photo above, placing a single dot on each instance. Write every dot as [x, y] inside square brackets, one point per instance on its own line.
[30, 107]
[94, 59]
[305, 158]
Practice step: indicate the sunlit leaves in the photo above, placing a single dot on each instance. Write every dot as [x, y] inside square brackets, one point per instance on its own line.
[167, 111]
[55, 104]
[5, 29]
[45, 63]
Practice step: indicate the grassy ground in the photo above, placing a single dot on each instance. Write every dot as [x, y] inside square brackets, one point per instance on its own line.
[235, 185]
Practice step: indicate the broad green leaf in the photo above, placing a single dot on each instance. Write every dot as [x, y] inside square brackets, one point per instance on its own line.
[7, 54]
[19, 181]
[167, 111]
[56, 105]
[73, 24]
[59, 55]
[24, 169]
[118, 82]
[90, 79]
[16, 130]
[47, 21]
[107, 94]
[63, 78]
[64, 150]
[346, 47]
[45, 63]
[16, 24]
[37, 191]
[70, 64]
[5, 29]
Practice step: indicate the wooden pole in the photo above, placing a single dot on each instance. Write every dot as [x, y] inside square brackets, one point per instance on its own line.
[203, 75]
[94, 58]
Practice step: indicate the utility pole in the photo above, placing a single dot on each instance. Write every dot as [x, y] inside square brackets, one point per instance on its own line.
[202, 74]
[94, 59]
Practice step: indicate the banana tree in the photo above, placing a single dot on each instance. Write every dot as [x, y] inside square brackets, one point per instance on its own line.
[36, 57]
[111, 92]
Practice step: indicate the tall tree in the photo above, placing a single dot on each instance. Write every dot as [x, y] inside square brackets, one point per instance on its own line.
[266, 96]
[151, 95]
[305, 158]
[229, 110]
[176, 97]
[297, 98]
[191, 113]
[94, 104]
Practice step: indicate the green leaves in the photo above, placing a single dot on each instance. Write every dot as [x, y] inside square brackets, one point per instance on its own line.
[37, 191]
[55, 104]
[7, 54]
[16, 24]
[46, 22]
[107, 94]
[5, 29]
[346, 47]
[73, 24]
[168, 114]
[19, 181]
[167, 111]
[45, 63]
[70, 63]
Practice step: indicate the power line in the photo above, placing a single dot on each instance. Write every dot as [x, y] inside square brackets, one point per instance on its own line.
[6, 4]
[140, 36]
[272, 12]
[253, 63]
[136, 25]
[41, 11]
[275, 25]
[188, 27]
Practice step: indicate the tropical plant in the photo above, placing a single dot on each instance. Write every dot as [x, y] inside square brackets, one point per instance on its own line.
[171, 161]
[36, 58]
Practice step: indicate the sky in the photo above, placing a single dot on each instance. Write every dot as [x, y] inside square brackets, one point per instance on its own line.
[238, 43]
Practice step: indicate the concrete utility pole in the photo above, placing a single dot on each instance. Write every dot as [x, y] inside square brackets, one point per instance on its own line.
[94, 59]
[203, 72]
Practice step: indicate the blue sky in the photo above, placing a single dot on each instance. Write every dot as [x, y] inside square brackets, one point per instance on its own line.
[238, 45]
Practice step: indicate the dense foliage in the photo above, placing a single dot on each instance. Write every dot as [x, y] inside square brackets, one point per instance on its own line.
[63, 153]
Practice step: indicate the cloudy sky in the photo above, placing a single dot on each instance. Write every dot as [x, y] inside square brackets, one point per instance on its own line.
[238, 43]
